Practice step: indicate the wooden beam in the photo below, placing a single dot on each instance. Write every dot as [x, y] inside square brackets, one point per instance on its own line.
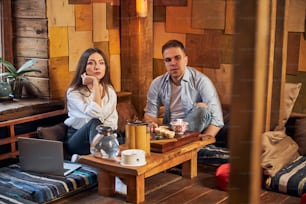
[280, 61]
[136, 52]
[248, 99]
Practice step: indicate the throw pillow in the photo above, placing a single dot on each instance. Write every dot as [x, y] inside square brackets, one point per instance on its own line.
[291, 93]
[56, 132]
[300, 135]
[278, 150]
[126, 112]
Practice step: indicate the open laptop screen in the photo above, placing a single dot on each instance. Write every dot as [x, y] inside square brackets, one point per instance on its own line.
[43, 156]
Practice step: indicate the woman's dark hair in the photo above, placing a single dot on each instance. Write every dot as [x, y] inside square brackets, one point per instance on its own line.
[173, 43]
[76, 82]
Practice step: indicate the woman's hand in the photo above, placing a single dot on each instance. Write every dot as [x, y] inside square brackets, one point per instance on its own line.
[89, 80]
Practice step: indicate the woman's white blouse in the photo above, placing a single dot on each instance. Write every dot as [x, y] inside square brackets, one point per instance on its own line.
[82, 108]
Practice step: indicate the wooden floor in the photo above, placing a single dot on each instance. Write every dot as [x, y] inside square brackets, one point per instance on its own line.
[173, 189]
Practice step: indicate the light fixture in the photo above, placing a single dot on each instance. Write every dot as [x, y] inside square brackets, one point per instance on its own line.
[142, 8]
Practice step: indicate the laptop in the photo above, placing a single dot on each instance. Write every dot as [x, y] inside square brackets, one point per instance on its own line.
[44, 157]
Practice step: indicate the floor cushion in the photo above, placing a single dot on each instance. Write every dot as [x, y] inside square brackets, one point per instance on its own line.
[289, 180]
[213, 155]
[28, 187]
[303, 199]
[222, 176]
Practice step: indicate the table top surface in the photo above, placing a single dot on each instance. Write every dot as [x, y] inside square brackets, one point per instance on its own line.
[152, 161]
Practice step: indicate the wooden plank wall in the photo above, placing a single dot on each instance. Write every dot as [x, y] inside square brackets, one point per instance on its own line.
[85, 24]
[62, 29]
[30, 32]
[193, 29]
[55, 33]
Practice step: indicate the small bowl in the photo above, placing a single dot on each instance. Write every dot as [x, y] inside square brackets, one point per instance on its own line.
[179, 126]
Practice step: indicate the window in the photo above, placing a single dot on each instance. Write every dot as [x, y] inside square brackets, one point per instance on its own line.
[6, 33]
[1, 46]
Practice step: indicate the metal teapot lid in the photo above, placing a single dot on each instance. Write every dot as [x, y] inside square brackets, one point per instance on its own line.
[104, 129]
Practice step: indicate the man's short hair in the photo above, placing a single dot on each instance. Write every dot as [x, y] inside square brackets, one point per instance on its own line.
[173, 43]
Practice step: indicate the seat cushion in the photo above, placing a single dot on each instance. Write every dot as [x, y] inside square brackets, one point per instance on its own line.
[290, 179]
[27, 187]
[222, 176]
[55, 132]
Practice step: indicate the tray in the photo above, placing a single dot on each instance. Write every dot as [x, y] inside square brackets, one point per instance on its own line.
[188, 137]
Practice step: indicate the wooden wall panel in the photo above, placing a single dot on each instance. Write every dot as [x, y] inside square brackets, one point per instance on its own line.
[36, 87]
[302, 54]
[114, 41]
[115, 2]
[227, 49]
[160, 37]
[204, 50]
[158, 67]
[36, 28]
[60, 13]
[79, 1]
[83, 17]
[159, 14]
[296, 15]
[105, 47]
[100, 32]
[207, 14]
[222, 79]
[293, 51]
[112, 16]
[180, 23]
[58, 37]
[170, 2]
[59, 76]
[115, 71]
[41, 64]
[78, 43]
[229, 17]
[31, 47]
[29, 9]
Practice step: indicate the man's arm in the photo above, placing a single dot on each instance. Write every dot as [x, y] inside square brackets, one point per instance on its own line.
[153, 121]
[211, 130]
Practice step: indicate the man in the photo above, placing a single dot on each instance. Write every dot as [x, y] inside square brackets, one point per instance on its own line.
[185, 93]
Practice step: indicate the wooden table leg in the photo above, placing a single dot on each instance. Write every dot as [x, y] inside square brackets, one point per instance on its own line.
[106, 183]
[135, 188]
[190, 167]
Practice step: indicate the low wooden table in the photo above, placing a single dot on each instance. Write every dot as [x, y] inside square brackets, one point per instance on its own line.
[134, 177]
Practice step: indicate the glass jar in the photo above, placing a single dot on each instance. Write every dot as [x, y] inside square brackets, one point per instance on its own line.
[105, 143]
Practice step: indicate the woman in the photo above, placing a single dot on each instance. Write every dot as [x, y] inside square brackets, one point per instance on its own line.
[91, 101]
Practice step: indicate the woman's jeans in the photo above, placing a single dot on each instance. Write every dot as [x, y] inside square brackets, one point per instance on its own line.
[198, 119]
[78, 141]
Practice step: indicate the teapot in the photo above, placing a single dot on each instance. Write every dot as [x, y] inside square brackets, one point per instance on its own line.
[5, 91]
[105, 143]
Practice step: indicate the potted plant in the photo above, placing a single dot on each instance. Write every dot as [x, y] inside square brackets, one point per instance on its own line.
[15, 76]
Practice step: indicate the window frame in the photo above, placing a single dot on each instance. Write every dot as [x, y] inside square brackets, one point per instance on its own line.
[6, 30]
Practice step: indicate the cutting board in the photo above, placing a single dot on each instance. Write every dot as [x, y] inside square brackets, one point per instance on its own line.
[188, 137]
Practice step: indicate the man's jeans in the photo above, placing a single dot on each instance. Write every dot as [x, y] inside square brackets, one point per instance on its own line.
[198, 119]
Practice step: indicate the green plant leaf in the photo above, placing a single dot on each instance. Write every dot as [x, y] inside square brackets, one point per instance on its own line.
[28, 70]
[9, 66]
[7, 74]
[26, 65]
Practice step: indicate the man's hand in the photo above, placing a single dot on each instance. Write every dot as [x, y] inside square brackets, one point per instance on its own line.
[205, 136]
[201, 104]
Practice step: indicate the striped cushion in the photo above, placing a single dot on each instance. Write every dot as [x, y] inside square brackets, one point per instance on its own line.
[211, 154]
[291, 179]
[19, 186]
